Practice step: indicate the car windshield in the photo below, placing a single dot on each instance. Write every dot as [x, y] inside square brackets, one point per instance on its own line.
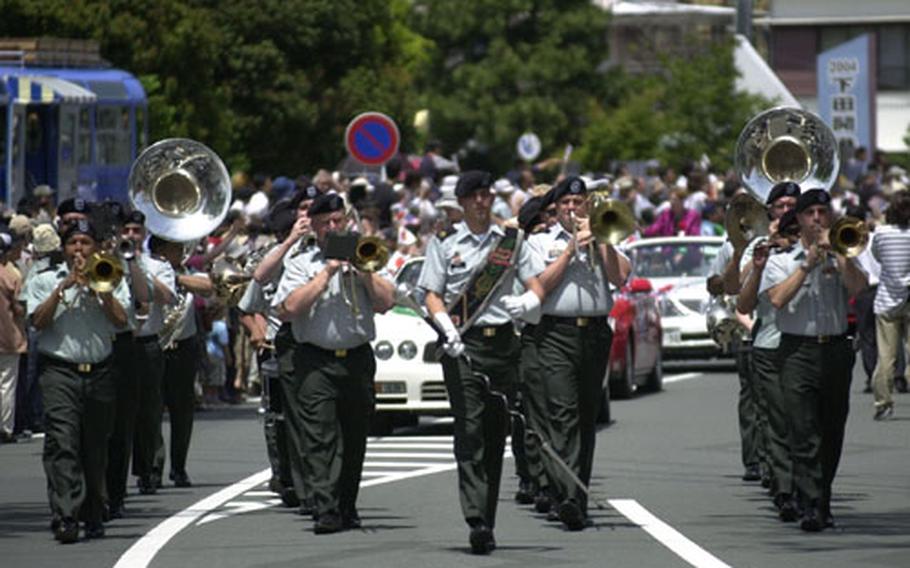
[670, 259]
[408, 276]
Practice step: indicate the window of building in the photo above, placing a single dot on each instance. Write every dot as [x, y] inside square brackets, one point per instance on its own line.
[894, 57]
[84, 137]
[67, 137]
[112, 135]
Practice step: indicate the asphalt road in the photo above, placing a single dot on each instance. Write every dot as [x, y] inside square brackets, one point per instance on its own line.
[667, 472]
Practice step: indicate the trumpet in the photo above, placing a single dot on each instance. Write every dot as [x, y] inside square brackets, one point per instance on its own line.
[848, 236]
[103, 271]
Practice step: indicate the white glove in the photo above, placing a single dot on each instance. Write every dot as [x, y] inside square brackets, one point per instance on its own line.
[453, 346]
[517, 306]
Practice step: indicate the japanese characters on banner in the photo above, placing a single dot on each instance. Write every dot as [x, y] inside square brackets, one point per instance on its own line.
[846, 93]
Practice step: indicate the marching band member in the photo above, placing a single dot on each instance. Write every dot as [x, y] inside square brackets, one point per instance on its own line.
[573, 338]
[766, 338]
[148, 361]
[334, 363]
[75, 326]
[479, 338]
[809, 289]
[180, 360]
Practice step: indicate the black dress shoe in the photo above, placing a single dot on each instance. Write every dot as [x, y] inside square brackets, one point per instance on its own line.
[67, 531]
[275, 485]
[811, 521]
[146, 485]
[55, 522]
[306, 509]
[481, 539]
[543, 503]
[788, 512]
[351, 520]
[829, 521]
[115, 509]
[328, 523]
[180, 479]
[900, 384]
[752, 473]
[157, 481]
[571, 515]
[525, 493]
[289, 498]
[94, 530]
[7, 438]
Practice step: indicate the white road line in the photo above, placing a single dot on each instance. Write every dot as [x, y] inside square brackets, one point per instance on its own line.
[393, 439]
[410, 446]
[667, 535]
[144, 550]
[683, 377]
[410, 455]
[408, 475]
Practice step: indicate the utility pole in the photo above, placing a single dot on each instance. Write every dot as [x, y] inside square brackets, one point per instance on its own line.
[744, 18]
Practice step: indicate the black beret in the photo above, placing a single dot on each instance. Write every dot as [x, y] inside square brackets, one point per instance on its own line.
[572, 185]
[547, 200]
[74, 205]
[282, 217]
[116, 210]
[529, 214]
[471, 181]
[783, 189]
[812, 197]
[135, 218]
[80, 227]
[326, 203]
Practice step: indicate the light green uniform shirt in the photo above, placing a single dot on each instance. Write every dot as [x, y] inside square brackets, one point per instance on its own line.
[819, 306]
[767, 336]
[80, 332]
[330, 323]
[154, 268]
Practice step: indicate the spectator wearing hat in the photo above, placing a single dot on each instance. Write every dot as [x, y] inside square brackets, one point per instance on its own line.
[75, 327]
[573, 340]
[502, 209]
[676, 219]
[764, 432]
[330, 307]
[448, 205]
[44, 201]
[479, 326]
[809, 286]
[12, 337]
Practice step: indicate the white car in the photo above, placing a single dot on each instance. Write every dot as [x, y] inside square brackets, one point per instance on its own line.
[679, 267]
[409, 379]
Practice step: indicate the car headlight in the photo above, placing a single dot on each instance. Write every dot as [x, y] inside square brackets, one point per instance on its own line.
[384, 350]
[407, 349]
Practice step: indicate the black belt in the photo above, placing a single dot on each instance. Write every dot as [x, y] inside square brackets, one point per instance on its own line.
[335, 353]
[490, 330]
[81, 368]
[146, 338]
[817, 339]
[576, 321]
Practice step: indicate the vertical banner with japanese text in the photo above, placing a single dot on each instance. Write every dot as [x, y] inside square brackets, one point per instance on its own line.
[846, 93]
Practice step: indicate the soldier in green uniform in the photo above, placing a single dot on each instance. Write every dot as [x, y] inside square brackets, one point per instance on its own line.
[181, 355]
[469, 277]
[330, 306]
[765, 341]
[573, 338]
[75, 326]
[809, 286]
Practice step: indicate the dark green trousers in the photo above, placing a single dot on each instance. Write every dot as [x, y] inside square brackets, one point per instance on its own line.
[273, 425]
[533, 406]
[78, 419]
[148, 366]
[751, 419]
[179, 396]
[766, 371]
[816, 385]
[573, 360]
[289, 431]
[480, 437]
[336, 398]
[120, 444]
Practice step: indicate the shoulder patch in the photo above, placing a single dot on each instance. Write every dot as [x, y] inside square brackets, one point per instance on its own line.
[444, 234]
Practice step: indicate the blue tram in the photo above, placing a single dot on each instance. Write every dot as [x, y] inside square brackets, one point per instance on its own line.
[75, 129]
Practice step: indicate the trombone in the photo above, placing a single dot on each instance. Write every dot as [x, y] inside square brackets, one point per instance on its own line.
[371, 254]
[610, 221]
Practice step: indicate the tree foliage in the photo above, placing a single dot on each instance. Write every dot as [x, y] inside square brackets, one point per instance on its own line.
[691, 109]
[271, 84]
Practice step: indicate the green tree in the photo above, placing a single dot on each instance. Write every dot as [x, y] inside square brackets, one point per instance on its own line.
[499, 68]
[690, 109]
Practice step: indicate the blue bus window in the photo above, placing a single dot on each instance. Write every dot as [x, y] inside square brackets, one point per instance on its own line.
[141, 135]
[33, 133]
[85, 137]
[67, 137]
[112, 139]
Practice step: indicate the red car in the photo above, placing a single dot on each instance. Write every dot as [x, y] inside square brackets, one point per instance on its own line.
[635, 356]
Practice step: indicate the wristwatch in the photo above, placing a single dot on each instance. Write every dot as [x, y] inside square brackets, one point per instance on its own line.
[806, 266]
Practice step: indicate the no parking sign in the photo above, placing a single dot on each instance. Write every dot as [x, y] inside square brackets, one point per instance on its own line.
[372, 138]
